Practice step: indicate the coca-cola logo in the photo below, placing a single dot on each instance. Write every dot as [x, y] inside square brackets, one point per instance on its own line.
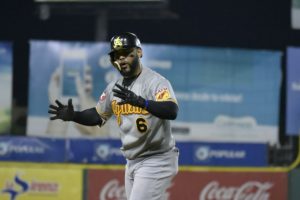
[112, 190]
[251, 190]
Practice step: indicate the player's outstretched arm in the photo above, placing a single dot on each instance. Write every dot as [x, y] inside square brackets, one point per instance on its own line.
[160, 109]
[88, 117]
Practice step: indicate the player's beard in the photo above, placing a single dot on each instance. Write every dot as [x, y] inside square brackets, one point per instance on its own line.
[132, 70]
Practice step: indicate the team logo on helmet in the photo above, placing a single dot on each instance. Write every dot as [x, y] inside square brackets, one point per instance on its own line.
[117, 43]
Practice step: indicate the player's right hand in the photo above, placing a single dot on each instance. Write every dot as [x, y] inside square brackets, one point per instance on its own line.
[128, 96]
[63, 112]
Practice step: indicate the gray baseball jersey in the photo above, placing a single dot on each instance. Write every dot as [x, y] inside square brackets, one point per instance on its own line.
[141, 132]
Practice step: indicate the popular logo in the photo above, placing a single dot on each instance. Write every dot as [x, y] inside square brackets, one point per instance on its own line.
[3, 149]
[205, 153]
[202, 153]
[10, 148]
[105, 151]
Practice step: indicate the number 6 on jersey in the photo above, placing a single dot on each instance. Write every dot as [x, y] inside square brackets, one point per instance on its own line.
[141, 125]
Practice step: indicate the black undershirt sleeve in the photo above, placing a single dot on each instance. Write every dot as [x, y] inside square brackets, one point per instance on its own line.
[163, 109]
[88, 117]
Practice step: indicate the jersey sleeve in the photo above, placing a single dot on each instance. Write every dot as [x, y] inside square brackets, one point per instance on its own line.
[103, 106]
[163, 91]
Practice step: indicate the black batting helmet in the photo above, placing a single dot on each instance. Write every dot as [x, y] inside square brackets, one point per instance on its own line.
[124, 41]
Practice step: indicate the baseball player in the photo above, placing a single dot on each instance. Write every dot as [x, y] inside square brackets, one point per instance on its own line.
[143, 102]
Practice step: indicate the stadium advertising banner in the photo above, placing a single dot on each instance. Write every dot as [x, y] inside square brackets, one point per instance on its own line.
[229, 185]
[5, 86]
[76, 70]
[109, 184]
[105, 185]
[293, 91]
[107, 151]
[31, 149]
[223, 154]
[229, 95]
[101, 151]
[40, 184]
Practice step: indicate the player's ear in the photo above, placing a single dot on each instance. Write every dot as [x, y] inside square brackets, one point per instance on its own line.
[140, 52]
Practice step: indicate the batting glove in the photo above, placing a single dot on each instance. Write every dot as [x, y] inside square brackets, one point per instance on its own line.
[128, 96]
[63, 112]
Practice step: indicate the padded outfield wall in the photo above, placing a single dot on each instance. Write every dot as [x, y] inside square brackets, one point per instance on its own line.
[28, 181]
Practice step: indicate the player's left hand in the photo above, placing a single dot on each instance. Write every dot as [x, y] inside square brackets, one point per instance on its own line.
[128, 96]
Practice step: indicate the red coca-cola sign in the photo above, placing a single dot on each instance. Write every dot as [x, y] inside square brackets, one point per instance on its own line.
[248, 190]
[105, 185]
[109, 185]
[229, 186]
